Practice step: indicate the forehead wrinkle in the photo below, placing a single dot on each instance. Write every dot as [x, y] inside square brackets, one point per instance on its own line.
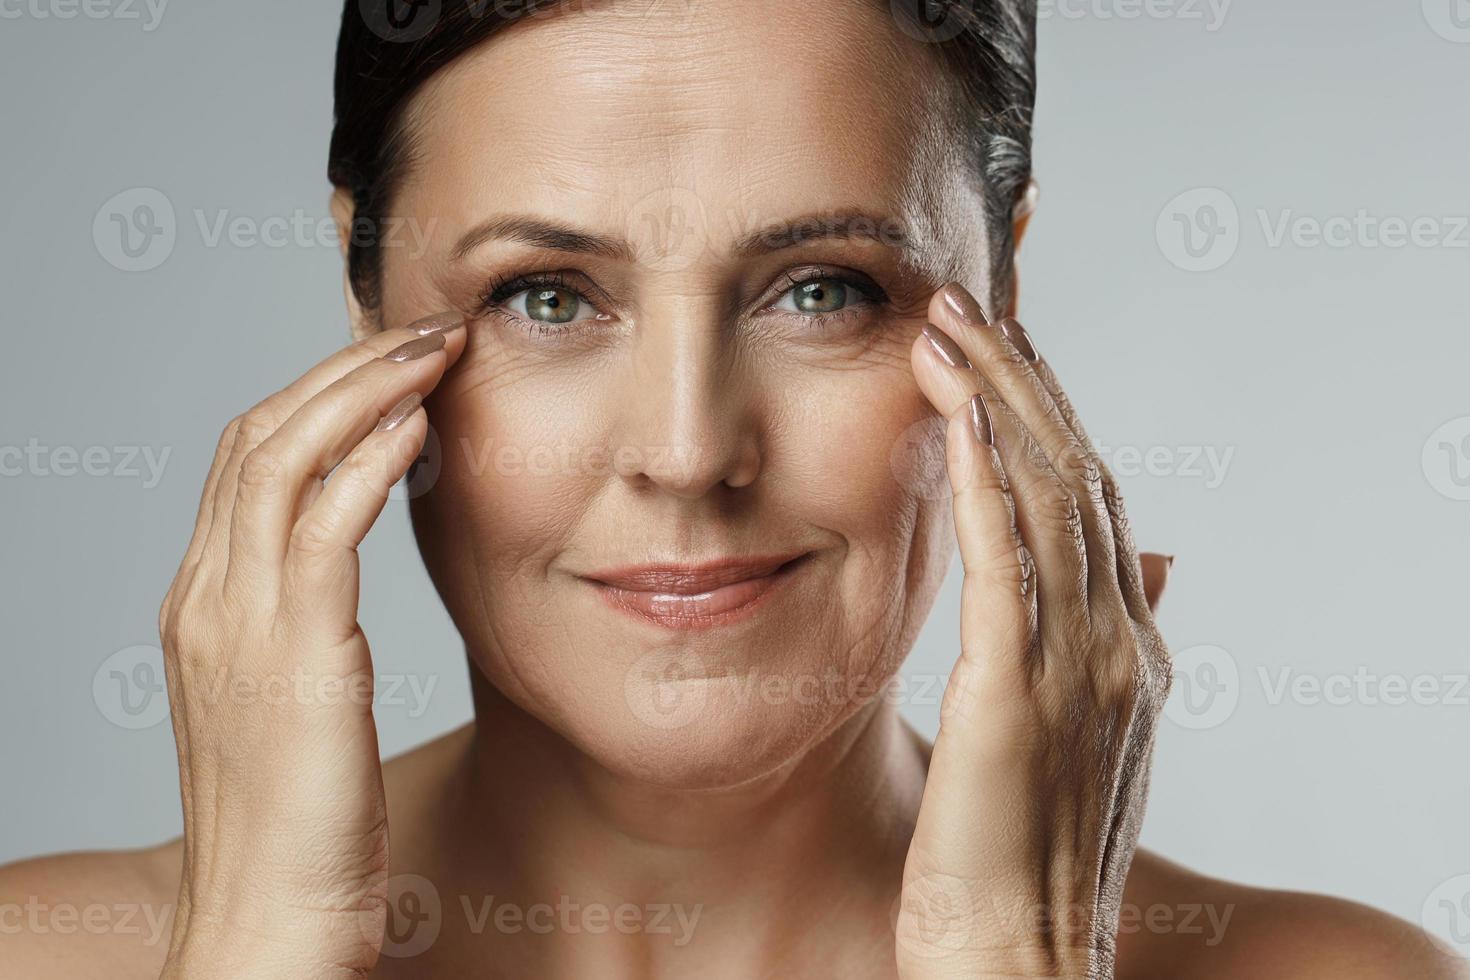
[670, 42]
[660, 63]
[644, 92]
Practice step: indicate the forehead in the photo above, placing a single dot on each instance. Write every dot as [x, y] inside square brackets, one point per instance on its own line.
[745, 112]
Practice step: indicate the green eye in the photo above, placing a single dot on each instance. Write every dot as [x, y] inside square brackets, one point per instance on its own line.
[552, 305]
[820, 296]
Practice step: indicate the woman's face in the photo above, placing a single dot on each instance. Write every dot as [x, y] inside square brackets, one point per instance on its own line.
[667, 381]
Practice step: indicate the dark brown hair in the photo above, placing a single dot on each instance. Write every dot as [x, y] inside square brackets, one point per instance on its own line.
[388, 48]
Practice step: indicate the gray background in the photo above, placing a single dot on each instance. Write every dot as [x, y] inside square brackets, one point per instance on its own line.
[1331, 546]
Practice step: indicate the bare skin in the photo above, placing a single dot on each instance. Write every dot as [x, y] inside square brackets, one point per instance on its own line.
[1267, 933]
[790, 837]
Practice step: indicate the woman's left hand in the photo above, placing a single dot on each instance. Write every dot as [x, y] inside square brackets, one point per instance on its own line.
[1037, 781]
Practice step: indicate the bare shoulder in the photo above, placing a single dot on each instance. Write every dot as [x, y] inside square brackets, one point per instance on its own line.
[102, 914]
[109, 914]
[1180, 924]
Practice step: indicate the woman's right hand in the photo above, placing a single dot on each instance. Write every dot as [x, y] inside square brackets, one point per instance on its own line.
[270, 680]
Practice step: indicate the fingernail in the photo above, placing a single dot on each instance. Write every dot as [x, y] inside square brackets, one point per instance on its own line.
[1018, 336]
[980, 421]
[415, 349]
[949, 352]
[958, 298]
[401, 413]
[438, 323]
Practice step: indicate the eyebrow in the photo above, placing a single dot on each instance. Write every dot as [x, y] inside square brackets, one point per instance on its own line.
[841, 225]
[536, 232]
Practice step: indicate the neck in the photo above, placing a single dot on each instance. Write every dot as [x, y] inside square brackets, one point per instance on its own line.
[760, 866]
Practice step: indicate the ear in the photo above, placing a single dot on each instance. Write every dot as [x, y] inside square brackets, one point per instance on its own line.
[1021, 213]
[1155, 576]
[344, 209]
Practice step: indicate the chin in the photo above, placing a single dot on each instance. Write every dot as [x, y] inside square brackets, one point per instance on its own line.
[704, 734]
[668, 721]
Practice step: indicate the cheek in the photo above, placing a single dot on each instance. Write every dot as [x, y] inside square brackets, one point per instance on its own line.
[872, 469]
[866, 462]
[846, 450]
[522, 460]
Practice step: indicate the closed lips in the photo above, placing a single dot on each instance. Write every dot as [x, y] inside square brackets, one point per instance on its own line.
[694, 595]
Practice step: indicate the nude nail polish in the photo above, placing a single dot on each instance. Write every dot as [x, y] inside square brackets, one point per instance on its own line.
[943, 344]
[401, 413]
[415, 349]
[958, 299]
[980, 421]
[1018, 336]
[438, 323]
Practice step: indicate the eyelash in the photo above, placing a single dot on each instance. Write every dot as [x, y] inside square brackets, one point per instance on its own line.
[870, 291]
[500, 289]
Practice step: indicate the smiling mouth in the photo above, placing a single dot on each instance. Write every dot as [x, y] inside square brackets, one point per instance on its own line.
[687, 597]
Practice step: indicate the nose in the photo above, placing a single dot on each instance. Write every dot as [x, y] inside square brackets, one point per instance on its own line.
[685, 411]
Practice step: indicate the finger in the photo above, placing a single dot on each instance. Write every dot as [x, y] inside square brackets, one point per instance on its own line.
[262, 421]
[1006, 362]
[1046, 512]
[973, 772]
[203, 518]
[1130, 575]
[998, 597]
[280, 475]
[320, 579]
[1155, 576]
